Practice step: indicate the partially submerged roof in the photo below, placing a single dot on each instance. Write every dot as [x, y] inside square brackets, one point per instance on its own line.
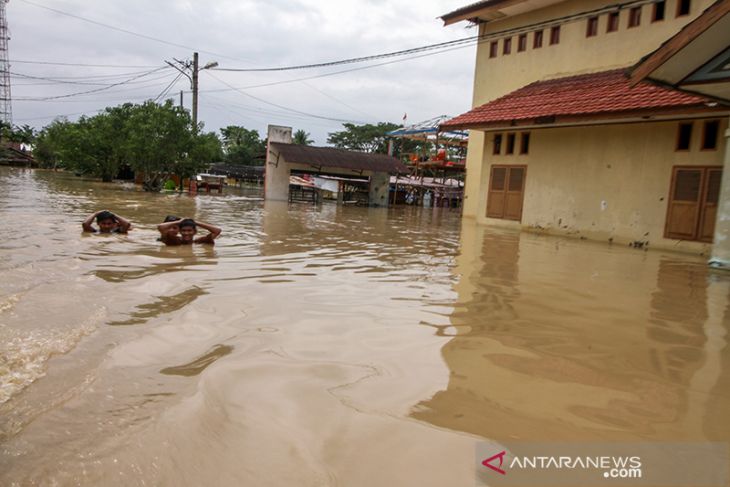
[487, 10]
[330, 157]
[589, 97]
[697, 58]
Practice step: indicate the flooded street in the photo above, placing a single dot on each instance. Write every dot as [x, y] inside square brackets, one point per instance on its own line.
[331, 346]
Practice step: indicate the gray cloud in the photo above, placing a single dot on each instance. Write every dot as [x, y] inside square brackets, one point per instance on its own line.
[244, 33]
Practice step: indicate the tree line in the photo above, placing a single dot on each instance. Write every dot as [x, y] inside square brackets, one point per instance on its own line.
[159, 140]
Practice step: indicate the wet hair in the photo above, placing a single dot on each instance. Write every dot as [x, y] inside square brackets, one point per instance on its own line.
[105, 215]
[188, 222]
[171, 218]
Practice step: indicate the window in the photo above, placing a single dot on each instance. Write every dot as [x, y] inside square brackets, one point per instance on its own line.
[613, 18]
[684, 136]
[693, 198]
[555, 35]
[592, 27]
[522, 43]
[537, 40]
[507, 46]
[493, 49]
[659, 11]
[510, 144]
[497, 148]
[683, 7]
[506, 192]
[709, 135]
[525, 143]
[635, 17]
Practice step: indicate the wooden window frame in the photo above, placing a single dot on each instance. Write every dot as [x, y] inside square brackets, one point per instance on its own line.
[509, 148]
[634, 17]
[537, 39]
[701, 211]
[506, 46]
[555, 35]
[704, 147]
[614, 22]
[508, 168]
[524, 143]
[592, 26]
[493, 49]
[679, 8]
[497, 144]
[522, 43]
[655, 11]
[679, 137]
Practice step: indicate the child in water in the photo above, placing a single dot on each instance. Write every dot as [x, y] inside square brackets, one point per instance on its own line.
[107, 221]
[187, 228]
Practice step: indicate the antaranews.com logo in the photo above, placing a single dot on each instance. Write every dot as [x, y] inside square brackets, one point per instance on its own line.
[610, 467]
[700, 464]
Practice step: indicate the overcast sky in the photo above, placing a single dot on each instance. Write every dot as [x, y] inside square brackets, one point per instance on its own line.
[241, 34]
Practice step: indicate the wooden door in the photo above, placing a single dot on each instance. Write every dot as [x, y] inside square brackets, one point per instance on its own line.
[506, 192]
[693, 200]
[711, 197]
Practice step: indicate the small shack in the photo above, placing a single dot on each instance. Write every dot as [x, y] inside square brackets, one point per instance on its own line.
[284, 159]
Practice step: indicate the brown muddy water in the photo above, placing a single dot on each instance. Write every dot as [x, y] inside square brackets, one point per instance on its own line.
[331, 346]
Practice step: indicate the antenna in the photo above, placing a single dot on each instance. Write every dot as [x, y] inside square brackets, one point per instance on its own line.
[6, 109]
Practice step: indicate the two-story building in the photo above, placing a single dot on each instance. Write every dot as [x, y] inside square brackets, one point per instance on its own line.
[564, 141]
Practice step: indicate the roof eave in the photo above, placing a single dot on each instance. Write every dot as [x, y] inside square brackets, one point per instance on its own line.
[605, 118]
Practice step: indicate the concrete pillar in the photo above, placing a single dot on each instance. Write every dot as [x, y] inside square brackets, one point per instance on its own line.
[379, 186]
[721, 244]
[276, 182]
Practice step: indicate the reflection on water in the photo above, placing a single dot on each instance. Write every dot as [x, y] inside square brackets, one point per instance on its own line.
[563, 340]
[345, 338]
[199, 364]
[161, 305]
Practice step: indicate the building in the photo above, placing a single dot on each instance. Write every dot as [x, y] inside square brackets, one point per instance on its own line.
[564, 141]
[284, 159]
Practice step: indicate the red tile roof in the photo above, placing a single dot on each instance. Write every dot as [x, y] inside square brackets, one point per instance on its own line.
[606, 93]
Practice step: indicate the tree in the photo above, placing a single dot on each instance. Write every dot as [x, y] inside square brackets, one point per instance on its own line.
[302, 138]
[242, 146]
[154, 140]
[365, 138]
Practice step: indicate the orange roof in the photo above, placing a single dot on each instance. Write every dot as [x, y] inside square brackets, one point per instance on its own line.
[607, 93]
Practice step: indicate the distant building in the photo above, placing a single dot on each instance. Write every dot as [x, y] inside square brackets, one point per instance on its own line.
[564, 141]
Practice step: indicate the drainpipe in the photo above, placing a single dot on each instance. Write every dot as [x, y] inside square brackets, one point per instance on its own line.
[721, 246]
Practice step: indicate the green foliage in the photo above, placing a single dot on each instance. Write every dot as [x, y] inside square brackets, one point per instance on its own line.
[156, 140]
[365, 138]
[242, 146]
[302, 138]
[170, 185]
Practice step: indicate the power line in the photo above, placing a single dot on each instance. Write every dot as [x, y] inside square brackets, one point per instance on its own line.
[53, 63]
[374, 57]
[94, 90]
[281, 106]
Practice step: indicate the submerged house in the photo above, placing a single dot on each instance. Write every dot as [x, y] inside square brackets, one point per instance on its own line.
[566, 141]
[285, 159]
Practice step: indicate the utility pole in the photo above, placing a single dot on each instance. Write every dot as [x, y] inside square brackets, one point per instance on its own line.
[193, 68]
[195, 90]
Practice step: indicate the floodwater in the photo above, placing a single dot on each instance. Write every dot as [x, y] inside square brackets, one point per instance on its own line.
[331, 346]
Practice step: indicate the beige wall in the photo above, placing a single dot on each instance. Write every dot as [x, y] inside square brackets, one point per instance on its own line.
[571, 172]
[574, 54]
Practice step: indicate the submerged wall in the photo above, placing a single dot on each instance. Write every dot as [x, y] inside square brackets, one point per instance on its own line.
[602, 182]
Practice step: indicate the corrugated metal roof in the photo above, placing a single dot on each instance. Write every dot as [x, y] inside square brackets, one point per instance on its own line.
[339, 158]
